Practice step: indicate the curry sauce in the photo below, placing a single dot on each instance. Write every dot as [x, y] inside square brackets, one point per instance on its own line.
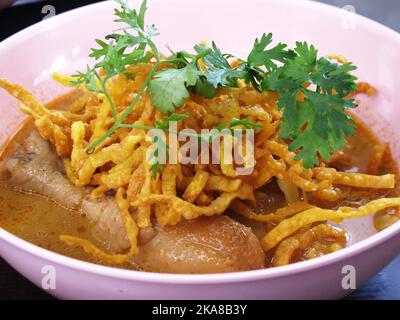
[40, 221]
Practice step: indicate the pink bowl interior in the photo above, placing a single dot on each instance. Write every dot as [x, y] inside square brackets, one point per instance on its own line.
[61, 44]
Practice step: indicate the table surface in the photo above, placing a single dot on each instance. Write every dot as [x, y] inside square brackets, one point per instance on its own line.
[384, 285]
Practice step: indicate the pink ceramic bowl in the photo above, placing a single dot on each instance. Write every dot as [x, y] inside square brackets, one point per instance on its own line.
[62, 44]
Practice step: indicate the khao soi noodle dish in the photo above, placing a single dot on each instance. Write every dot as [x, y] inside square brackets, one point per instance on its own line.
[196, 162]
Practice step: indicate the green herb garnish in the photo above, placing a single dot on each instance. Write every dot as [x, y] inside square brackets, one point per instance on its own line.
[312, 90]
[318, 124]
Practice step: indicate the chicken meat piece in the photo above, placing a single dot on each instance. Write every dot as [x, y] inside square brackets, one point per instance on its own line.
[205, 245]
[33, 166]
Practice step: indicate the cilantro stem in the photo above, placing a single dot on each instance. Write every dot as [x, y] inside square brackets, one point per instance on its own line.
[107, 94]
[187, 54]
[202, 54]
[136, 126]
[118, 122]
[103, 138]
[139, 93]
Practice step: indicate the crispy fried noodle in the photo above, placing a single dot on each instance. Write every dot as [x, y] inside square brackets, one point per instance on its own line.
[190, 191]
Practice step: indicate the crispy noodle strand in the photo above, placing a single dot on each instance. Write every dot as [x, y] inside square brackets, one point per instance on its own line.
[291, 225]
[240, 208]
[311, 243]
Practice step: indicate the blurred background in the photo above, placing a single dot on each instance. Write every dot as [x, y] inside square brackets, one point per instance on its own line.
[16, 15]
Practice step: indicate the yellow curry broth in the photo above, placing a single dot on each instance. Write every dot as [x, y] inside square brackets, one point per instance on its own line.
[40, 221]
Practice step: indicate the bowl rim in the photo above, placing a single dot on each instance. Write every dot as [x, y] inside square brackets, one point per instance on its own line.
[198, 279]
[201, 279]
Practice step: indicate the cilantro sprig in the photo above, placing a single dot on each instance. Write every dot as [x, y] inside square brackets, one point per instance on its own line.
[312, 90]
[220, 72]
[317, 123]
[167, 87]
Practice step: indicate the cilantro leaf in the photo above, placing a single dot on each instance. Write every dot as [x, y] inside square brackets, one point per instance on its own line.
[116, 58]
[168, 88]
[142, 13]
[98, 53]
[325, 128]
[223, 77]
[215, 59]
[316, 124]
[88, 78]
[331, 77]
[220, 72]
[204, 88]
[299, 68]
[123, 49]
[130, 16]
[259, 56]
